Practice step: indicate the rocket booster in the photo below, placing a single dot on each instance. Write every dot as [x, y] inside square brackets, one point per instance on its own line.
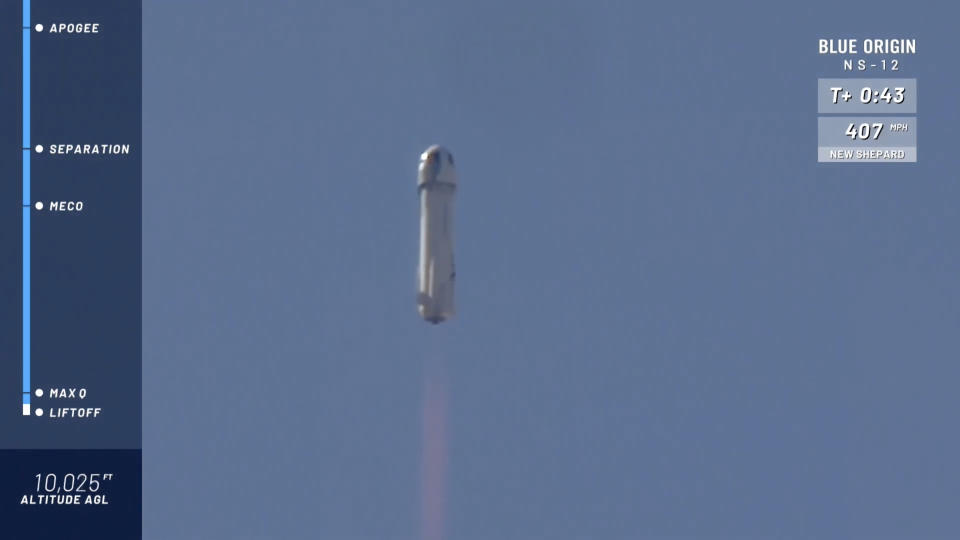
[436, 184]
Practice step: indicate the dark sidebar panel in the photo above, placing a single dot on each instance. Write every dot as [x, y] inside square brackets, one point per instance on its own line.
[70, 308]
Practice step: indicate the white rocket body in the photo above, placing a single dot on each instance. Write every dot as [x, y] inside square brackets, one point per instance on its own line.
[437, 185]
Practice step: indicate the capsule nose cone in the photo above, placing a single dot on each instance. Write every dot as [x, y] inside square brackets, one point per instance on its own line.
[434, 150]
[437, 153]
[436, 165]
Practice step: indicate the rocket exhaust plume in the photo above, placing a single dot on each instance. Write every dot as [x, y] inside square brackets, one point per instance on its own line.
[433, 467]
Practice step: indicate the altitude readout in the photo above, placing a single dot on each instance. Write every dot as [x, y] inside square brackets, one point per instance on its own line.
[71, 483]
[867, 94]
[69, 490]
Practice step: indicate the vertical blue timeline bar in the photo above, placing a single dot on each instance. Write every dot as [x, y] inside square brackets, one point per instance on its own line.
[26, 203]
[26, 87]
[26, 302]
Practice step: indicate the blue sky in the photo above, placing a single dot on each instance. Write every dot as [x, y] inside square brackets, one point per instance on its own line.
[672, 322]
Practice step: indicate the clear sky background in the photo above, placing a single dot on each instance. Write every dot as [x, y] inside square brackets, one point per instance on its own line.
[673, 323]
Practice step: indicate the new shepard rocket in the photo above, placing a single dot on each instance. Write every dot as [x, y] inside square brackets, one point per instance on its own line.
[436, 184]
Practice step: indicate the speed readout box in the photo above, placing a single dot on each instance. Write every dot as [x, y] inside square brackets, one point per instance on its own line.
[867, 139]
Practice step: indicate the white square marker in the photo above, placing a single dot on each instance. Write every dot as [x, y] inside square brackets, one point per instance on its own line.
[26, 409]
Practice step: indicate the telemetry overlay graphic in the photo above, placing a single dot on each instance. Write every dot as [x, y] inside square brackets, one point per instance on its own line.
[70, 405]
[868, 119]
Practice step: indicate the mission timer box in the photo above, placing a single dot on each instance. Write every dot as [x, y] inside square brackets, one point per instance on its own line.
[870, 96]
